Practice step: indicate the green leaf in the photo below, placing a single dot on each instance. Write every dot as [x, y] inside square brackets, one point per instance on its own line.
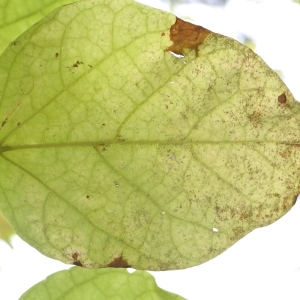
[132, 138]
[79, 283]
[18, 15]
[5, 230]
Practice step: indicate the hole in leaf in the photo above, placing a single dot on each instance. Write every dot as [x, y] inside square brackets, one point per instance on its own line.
[176, 55]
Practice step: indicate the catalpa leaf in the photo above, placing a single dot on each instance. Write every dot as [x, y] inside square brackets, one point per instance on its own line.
[78, 283]
[17, 15]
[132, 138]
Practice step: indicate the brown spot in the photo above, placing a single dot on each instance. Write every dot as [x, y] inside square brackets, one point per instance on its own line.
[76, 65]
[119, 262]
[282, 98]
[87, 197]
[75, 255]
[56, 54]
[163, 34]
[4, 122]
[76, 262]
[186, 35]
[18, 124]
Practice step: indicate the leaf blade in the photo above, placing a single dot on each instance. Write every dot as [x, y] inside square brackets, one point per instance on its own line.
[79, 283]
[145, 159]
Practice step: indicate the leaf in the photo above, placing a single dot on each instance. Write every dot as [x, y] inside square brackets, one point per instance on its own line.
[132, 138]
[18, 15]
[79, 283]
[5, 230]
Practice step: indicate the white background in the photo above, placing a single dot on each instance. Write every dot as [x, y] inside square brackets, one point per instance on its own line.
[266, 263]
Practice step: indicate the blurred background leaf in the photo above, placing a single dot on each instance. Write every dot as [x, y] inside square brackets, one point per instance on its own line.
[5, 230]
[209, 2]
[18, 15]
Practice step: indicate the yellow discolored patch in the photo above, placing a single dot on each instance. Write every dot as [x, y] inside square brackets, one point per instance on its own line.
[185, 35]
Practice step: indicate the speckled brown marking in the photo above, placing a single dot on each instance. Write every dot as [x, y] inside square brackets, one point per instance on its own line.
[282, 98]
[289, 202]
[76, 65]
[294, 200]
[238, 231]
[255, 118]
[76, 262]
[119, 262]
[286, 153]
[186, 35]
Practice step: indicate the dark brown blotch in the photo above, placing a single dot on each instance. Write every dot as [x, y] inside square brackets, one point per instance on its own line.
[56, 54]
[282, 98]
[76, 65]
[75, 255]
[76, 262]
[185, 35]
[119, 262]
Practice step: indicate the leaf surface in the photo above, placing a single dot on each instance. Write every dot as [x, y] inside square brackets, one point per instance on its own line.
[78, 283]
[132, 138]
[18, 15]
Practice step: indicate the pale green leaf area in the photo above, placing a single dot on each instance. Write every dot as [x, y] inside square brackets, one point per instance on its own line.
[5, 230]
[18, 15]
[116, 152]
[111, 284]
